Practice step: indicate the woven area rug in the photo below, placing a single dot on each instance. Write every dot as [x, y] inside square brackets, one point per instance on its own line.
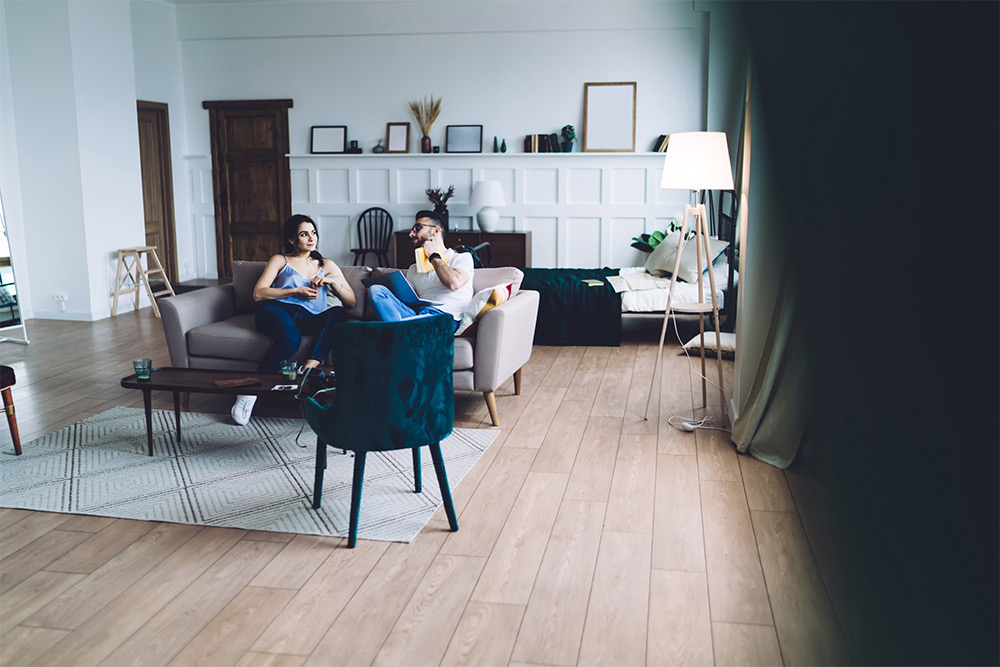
[254, 477]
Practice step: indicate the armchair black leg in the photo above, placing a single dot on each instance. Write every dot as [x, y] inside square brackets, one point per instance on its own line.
[417, 486]
[320, 469]
[449, 508]
[359, 479]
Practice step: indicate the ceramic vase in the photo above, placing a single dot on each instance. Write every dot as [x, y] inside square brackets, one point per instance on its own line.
[425, 144]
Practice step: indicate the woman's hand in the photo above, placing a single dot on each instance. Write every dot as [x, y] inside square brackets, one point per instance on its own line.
[306, 292]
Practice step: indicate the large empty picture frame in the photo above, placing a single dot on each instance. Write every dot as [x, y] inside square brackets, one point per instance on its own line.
[463, 139]
[609, 117]
[397, 137]
[328, 139]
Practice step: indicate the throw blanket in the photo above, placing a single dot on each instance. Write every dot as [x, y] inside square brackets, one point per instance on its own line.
[572, 313]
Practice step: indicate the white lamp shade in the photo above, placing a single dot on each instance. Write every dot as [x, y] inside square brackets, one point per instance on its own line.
[487, 193]
[697, 161]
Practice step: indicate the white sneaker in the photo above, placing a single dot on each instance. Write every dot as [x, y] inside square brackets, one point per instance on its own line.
[242, 409]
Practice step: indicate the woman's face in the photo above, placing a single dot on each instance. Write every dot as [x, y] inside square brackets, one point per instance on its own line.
[306, 238]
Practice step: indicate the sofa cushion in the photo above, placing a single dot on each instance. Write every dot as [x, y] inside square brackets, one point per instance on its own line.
[354, 275]
[498, 275]
[465, 355]
[245, 276]
[234, 338]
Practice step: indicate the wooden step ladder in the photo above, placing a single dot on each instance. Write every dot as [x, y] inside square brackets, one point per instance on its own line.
[131, 275]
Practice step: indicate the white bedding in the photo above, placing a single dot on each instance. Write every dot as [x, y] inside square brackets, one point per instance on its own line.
[655, 300]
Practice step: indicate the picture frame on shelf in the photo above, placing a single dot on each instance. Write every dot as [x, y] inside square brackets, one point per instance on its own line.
[328, 139]
[397, 137]
[609, 117]
[463, 139]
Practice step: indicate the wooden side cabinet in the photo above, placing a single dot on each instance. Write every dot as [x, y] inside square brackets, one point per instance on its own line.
[508, 248]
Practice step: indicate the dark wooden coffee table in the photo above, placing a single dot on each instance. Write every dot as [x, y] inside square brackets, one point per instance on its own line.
[197, 381]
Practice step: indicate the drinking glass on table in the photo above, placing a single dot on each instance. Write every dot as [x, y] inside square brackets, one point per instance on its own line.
[290, 370]
[143, 368]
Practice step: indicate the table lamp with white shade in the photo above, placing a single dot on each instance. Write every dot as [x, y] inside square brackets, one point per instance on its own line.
[487, 194]
[695, 161]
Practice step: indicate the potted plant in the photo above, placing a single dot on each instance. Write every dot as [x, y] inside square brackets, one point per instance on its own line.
[440, 201]
[426, 113]
[568, 135]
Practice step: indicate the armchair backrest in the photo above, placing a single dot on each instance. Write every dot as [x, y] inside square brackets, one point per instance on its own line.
[394, 385]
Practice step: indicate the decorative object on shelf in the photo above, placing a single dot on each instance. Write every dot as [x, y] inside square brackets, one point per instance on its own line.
[542, 143]
[609, 117]
[660, 145]
[436, 149]
[354, 149]
[568, 135]
[695, 161]
[463, 139]
[426, 112]
[397, 137]
[496, 144]
[487, 194]
[328, 139]
[440, 201]
[378, 148]
[503, 145]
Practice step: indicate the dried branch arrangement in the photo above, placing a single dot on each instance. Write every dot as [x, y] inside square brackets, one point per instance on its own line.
[426, 113]
[438, 198]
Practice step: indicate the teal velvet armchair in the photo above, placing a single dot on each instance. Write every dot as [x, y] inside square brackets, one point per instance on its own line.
[394, 391]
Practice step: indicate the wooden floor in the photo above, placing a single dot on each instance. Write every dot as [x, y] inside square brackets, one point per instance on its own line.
[588, 536]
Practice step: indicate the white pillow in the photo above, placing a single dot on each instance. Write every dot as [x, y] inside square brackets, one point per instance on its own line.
[661, 260]
[484, 300]
[727, 344]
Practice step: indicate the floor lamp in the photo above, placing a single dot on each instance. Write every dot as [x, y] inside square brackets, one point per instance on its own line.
[695, 161]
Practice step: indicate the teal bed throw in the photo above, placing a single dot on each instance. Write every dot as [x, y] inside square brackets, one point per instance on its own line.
[572, 313]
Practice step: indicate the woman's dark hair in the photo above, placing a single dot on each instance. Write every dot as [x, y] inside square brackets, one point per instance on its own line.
[290, 231]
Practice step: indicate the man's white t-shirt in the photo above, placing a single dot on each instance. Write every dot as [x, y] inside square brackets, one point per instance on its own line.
[429, 287]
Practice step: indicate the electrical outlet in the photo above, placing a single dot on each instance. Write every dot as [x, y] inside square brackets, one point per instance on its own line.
[60, 297]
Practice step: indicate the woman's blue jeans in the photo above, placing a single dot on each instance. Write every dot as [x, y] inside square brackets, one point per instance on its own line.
[286, 323]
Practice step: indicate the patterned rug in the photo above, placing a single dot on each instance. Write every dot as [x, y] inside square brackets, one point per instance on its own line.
[254, 477]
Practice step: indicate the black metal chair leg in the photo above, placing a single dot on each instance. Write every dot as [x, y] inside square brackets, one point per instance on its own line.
[417, 485]
[449, 508]
[320, 469]
[359, 479]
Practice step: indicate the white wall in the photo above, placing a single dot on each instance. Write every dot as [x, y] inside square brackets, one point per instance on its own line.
[514, 67]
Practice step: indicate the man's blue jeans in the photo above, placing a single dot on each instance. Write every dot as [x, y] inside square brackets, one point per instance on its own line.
[286, 323]
[391, 309]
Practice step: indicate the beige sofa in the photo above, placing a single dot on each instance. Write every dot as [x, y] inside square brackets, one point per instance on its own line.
[214, 328]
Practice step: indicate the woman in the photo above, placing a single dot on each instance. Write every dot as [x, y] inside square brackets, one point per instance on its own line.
[292, 298]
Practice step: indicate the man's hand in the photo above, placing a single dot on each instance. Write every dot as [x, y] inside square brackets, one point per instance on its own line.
[434, 245]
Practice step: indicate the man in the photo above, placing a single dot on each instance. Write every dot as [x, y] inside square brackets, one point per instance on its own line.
[449, 284]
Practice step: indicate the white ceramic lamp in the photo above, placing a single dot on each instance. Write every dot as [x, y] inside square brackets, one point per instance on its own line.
[487, 194]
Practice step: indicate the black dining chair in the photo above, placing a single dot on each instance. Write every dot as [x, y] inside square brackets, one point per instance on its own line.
[374, 233]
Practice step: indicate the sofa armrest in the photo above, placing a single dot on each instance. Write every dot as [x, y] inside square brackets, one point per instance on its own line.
[504, 339]
[187, 311]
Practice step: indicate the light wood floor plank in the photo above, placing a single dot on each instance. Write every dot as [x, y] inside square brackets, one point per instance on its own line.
[738, 645]
[680, 629]
[554, 618]
[463, 492]
[30, 528]
[765, 485]
[612, 395]
[630, 505]
[227, 637]
[558, 450]
[255, 659]
[485, 635]
[678, 539]
[533, 424]
[10, 516]
[300, 558]
[31, 595]
[71, 609]
[114, 623]
[360, 630]
[425, 628]
[594, 467]
[735, 581]
[587, 380]
[803, 615]
[717, 457]
[564, 367]
[24, 562]
[615, 630]
[510, 570]
[103, 546]
[636, 420]
[484, 516]
[671, 440]
[88, 524]
[21, 646]
[303, 622]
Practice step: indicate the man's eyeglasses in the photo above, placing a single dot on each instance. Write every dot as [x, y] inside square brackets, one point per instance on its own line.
[416, 227]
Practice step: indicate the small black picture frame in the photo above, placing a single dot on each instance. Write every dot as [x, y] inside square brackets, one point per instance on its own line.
[328, 139]
[463, 139]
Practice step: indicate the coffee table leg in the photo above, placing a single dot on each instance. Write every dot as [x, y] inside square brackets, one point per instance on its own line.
[147, 403]
[177, 414]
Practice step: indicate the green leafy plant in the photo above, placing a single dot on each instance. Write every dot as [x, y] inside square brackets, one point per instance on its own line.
[647, 242]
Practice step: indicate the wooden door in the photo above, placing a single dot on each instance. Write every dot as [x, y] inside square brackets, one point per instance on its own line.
[251, 178]
[157, 183]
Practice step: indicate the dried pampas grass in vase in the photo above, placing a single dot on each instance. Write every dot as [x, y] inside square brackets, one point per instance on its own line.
[426, 112]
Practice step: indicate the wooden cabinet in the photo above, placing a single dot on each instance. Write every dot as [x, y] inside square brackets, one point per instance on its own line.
[508, 248]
